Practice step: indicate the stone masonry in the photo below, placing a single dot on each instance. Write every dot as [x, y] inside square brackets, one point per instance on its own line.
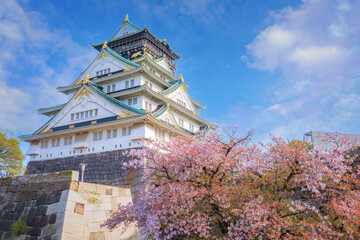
[55, 206]
[103, 168]
[34, 201]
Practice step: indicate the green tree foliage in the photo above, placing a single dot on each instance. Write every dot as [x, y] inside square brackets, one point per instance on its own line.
[11, 157]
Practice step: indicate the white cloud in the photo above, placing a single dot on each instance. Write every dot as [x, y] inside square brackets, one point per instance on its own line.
[315, 48]
[274, 107]
[269, 46]
[314, 55]
[28, 75]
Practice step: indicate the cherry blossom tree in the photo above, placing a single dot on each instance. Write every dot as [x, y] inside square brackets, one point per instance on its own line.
[212, 186]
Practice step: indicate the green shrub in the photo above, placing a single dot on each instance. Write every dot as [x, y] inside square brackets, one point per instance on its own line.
[19, 227]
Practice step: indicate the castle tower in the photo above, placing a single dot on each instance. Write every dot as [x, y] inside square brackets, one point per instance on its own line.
[128, 93]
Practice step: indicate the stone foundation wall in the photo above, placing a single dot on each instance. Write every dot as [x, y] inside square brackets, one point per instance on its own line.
[55, 206]
[102, 168]
[33, 207]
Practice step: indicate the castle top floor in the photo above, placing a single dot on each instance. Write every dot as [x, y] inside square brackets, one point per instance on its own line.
[132, 42]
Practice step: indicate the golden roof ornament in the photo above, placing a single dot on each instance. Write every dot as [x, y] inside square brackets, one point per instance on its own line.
[181, 77]
[104, 45]
[86, 79]
[126, 18]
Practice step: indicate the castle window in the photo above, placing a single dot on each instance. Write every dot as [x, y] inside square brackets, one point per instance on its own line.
[44, 144]
[181, 103]
[113, 87]
[148, 106]
[108, 88]
[159, 134]
[84, 114]
[149, 84]
[103, 72]
[97, 136]
[132, 101]
[132, 83]
[126, 131]
[114, 133]
[191, 127]
[181, 122]
[126, 84]
[55, 142]
[68, 140]
[111, 133]
[108, 133]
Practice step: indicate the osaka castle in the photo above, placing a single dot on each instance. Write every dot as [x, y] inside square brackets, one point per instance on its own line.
[129, 93]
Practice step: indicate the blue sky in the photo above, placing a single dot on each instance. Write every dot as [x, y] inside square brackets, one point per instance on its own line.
[283, 67]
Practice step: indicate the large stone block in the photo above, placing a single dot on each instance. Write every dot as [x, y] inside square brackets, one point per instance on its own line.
[50, 213]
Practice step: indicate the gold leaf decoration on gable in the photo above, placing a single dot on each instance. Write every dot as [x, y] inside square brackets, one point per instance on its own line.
[149, 55]
[104, 45]
[124, 115]
[86, 79]
[182, 88]
[46, 129]
[138, 53]
[127, 69]
[103, 54]
[78, 81]
[84, 92]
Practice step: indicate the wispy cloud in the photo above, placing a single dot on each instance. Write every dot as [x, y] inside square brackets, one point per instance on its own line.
[34, 60]
[316, 50]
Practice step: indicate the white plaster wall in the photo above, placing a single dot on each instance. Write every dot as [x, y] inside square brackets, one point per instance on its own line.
[150, 132]
[164, 65]
[155, 86]
[120, 84]
[138, 105]
[105, 144]
[103, 64]
[187, 121]
[85, 106]
[182, 96]
[153, 103]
